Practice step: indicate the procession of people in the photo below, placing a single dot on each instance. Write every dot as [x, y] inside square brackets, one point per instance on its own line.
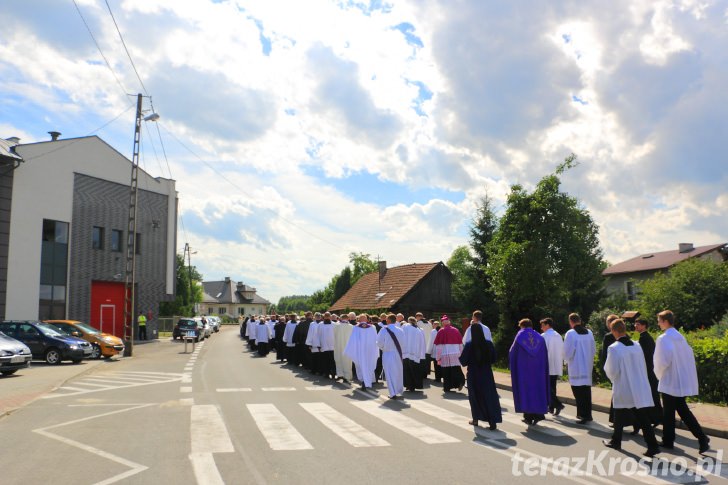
[650, 380]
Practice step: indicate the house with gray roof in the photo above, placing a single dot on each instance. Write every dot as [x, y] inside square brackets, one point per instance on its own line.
[624, 277]
[232, 299]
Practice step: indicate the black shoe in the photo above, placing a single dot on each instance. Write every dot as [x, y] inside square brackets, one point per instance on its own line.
[667, 446]
[704, 446]
[493, 427]
[583, 421]
[527, 421]
[609, 444]
[557, 411]
[651, 452]
[635, 432]
[536, 420]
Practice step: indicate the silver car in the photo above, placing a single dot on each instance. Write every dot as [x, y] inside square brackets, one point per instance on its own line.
[14, 355]
[204, 325]
[214, 323]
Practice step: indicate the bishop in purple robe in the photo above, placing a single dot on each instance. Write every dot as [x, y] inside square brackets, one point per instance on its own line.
[529, 365]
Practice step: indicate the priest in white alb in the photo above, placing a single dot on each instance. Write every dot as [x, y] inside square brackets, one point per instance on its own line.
[342, 332]
[362, 350]
[390, 340]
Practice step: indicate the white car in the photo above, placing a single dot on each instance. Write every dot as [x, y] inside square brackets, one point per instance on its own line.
[204, 325]
[214, 323]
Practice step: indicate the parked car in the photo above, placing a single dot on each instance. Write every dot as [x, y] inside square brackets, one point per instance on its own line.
[214, 323]
[14, 355]
[206, 329]
[102, 344]
[46, 342]
[185, 325]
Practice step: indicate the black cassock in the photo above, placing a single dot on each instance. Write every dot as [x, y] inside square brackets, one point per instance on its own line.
[648, 349]
[482, 393]
[279, 330]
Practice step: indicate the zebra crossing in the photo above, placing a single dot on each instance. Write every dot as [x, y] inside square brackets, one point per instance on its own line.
[113, 381]
[281, 434]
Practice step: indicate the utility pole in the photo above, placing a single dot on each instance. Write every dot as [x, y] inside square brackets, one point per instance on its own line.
[188, 251]
[130, 270]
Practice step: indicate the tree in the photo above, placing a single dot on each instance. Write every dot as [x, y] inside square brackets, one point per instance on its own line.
[482, 231]
[465, 287]
[545, 259]
[184, 301]
[361, 264]
[696, 291]
[343, 283]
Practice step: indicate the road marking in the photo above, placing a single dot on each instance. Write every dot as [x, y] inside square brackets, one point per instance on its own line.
[187, 401]
[539, 428]
[234, 389]
[276, 389]
[208, 435]
[458, 420]
[186, 379]
[348, 430]
[156, 378]
[321, 388]
[404, 423]
[276, 429]
[185, 389]
[208, 431]
[134, 467]
[96, 384]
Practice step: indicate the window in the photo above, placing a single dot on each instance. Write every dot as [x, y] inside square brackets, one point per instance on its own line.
[53, 270]
[138, 243]
[222, 310]
[631, 290]
[210, 310]
[97, 237]
[241, 310]
[117, 237]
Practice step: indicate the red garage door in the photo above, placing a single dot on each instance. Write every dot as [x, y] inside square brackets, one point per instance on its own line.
[107, 307]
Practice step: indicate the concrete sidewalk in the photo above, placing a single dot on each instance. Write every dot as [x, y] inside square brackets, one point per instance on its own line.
[713, 418]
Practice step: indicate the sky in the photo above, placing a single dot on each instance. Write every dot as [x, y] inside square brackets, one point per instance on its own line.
[301, 131]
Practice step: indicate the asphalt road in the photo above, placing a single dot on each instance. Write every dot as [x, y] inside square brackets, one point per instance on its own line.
[224, 415]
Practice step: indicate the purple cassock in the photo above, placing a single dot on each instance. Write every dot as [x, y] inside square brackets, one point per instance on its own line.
[530, 372]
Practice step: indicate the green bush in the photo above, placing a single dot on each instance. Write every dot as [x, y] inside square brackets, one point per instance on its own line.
[711, 359]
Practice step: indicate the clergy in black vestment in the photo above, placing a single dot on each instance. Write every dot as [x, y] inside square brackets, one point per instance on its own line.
[648, 349]
[303, 353]
[478, 355]
[279, 330]
[606, 342]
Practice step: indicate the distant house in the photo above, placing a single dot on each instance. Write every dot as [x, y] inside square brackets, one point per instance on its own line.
[232, 299]
[402, 289]
[623, 277]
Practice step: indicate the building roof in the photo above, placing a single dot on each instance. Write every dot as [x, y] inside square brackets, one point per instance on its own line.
[369, 292]
[230, 292]
[658, 261]
[7, 151]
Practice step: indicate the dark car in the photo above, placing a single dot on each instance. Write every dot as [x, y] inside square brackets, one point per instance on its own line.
[14, 355]
[46, 342]
[188, 326]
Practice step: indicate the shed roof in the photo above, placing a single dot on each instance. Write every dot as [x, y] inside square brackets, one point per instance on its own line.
[369, 292]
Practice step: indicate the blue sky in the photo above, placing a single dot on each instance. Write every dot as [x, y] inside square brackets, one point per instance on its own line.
[299, 132]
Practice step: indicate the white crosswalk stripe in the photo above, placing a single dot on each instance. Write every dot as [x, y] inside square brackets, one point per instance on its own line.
[398, 420]
[113, 380]
[276, 429]
[351, 432]
[542, 427]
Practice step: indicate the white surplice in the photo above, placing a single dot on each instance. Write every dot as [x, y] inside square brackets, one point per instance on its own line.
[675, 365]
[579, 350]
[342, 332]
[288, 333]
[486, 332]
[362, 350]
[426, 328]
[555, 349]
[312, 338]
[391, 360]
[262, 333]
[326, 336]
[626, 368]
[413, 347]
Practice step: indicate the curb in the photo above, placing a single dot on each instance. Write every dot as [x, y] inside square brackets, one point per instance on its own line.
[718, 433]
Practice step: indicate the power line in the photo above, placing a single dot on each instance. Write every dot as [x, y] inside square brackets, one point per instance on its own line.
[108, 64]
[125, 48]
[276, 214]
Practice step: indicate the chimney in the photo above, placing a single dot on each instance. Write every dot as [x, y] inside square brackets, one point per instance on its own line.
[685, 247]
[382, 269]
[227, 279]
[54, 135]
[13, 139]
